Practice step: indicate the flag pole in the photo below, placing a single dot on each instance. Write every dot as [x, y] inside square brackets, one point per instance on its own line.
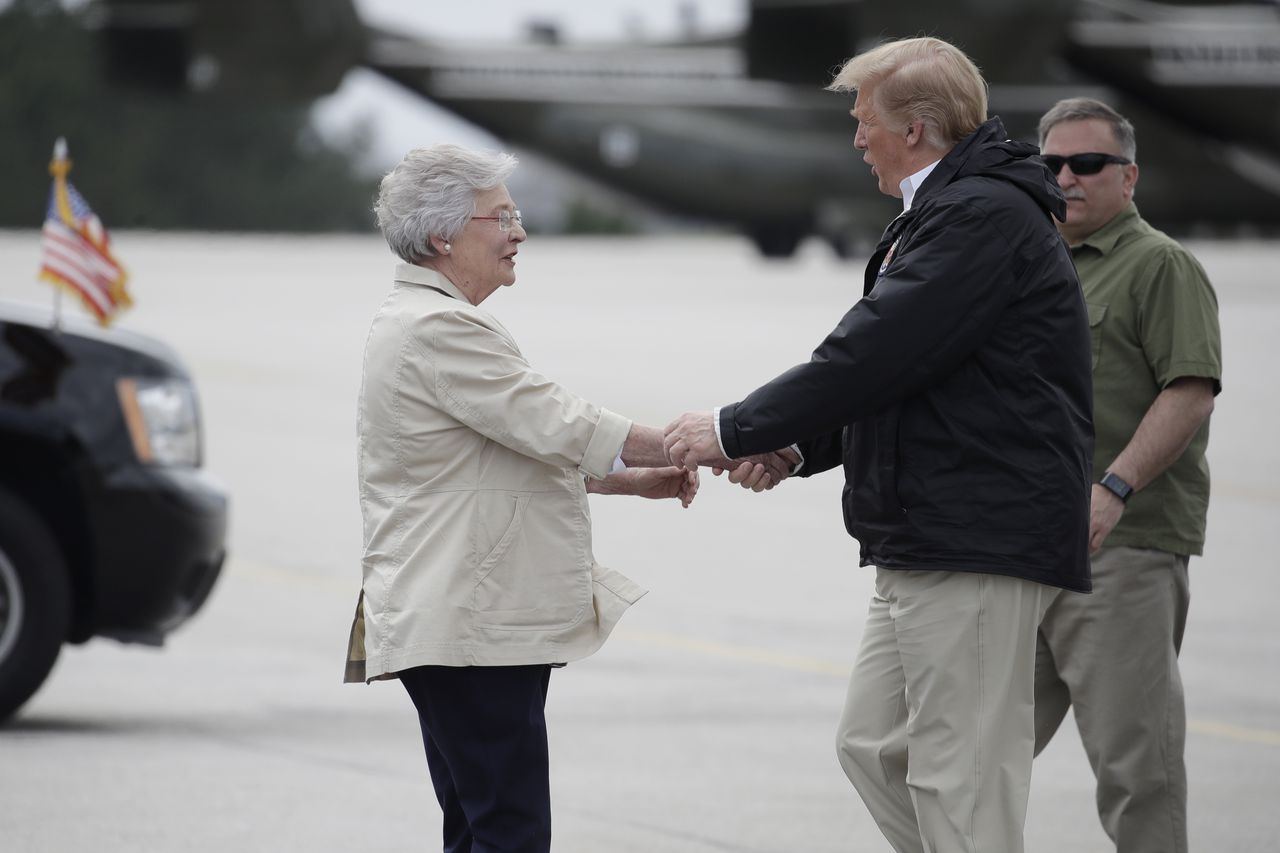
[59, 167]
[76, 254]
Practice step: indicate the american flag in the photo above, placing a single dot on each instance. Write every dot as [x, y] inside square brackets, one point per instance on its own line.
[76, 249]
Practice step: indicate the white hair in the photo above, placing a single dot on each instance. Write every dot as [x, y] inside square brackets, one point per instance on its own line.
[431, 193]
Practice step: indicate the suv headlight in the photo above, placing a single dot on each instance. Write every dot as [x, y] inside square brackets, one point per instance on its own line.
[162, 418]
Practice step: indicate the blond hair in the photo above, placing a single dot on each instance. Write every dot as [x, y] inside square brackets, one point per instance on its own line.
[921, 79]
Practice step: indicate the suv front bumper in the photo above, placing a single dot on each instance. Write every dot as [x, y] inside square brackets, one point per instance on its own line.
[160, 536]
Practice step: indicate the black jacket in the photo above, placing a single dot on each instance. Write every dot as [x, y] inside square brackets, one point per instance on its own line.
[959, 386]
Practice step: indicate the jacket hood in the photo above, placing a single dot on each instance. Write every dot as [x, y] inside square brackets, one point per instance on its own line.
[989, 153]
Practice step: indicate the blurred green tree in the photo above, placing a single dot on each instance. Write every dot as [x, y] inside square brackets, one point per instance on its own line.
[583, 216]
[145, 160]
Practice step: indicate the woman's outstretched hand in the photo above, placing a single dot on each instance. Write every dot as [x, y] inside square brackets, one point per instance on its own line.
[655, 483]
[659, 483]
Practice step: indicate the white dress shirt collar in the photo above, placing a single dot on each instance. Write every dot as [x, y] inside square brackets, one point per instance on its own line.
[911, 183]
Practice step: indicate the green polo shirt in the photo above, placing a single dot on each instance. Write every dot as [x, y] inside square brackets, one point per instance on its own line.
[1153, 317]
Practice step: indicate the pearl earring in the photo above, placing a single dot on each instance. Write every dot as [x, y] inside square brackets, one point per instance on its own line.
[447, 247]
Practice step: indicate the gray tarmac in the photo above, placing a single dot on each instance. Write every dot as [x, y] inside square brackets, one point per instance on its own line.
[706, 723]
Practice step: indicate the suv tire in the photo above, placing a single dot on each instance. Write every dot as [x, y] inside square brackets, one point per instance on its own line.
[35, 603]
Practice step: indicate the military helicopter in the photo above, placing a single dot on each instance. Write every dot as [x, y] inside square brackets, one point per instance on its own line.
[739, 130]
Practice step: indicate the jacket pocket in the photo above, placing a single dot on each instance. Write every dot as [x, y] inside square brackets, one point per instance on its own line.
[500, 548]
[1096, 313]
[537, 576]
[872, 463]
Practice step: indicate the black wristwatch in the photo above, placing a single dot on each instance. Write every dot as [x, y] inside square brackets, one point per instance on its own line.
[1116, 486]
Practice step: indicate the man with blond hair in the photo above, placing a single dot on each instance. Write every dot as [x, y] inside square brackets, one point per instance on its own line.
[956, 393]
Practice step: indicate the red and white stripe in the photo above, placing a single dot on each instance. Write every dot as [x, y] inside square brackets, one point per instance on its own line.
[72, 258]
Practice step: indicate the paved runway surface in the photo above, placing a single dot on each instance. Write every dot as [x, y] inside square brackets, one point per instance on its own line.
[706, 724]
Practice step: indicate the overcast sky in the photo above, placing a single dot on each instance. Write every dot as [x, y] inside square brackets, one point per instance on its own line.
[402, 120]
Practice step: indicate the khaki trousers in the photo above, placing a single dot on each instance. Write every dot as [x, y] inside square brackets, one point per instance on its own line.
[1114, 656]
[938, 728]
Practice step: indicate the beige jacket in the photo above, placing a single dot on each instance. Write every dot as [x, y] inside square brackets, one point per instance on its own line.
[477, 534]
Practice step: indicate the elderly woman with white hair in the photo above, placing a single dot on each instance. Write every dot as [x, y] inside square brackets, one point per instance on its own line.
[478, 574]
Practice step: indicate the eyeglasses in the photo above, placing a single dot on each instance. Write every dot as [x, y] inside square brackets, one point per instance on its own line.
[1082, 164]
[505, 219]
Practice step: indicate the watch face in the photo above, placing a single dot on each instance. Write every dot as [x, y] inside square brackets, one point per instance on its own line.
[1114, 484]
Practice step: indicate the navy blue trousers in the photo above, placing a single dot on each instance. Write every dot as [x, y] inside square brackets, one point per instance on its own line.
[485, 735]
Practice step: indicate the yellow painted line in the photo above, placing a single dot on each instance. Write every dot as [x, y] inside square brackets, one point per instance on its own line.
[730, 651]
[798, 663]
[266, 572]
[1229, 732]
[1246, 491]
[715, 649]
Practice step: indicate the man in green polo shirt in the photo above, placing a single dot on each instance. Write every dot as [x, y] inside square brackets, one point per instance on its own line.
[1157, 367]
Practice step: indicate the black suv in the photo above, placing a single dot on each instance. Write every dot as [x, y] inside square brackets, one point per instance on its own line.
[108, 525]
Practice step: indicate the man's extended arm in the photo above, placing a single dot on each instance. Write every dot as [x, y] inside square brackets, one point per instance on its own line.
[939, 302]
[1161, 437]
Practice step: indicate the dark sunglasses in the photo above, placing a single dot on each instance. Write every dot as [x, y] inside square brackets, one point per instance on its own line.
[1082, 164]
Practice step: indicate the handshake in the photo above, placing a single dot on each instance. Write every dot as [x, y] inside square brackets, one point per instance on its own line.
[666, 465]
[690, 440]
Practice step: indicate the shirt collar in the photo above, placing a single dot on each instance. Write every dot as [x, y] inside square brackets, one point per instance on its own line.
[414, 274]
[911, 183]
[1106, 237]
